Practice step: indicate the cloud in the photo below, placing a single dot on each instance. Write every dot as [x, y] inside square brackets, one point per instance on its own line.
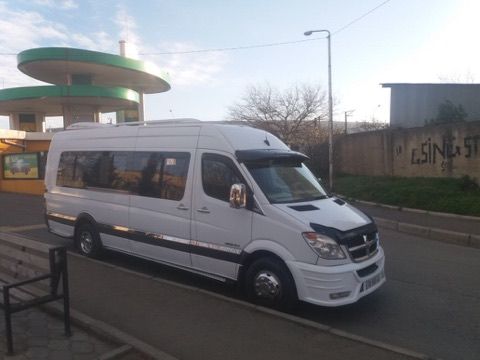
[58, 4]
[127, 29]
[22, 29]
[99, 41]
[189, 69]
[183, 69]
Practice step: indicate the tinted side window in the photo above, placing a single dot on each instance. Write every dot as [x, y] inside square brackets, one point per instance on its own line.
[66, 170]
[160, 174]
[218, 175]
[153, 174]
[99, 169]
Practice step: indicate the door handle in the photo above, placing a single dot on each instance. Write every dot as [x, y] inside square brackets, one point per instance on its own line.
[182, 207]
[204, 210]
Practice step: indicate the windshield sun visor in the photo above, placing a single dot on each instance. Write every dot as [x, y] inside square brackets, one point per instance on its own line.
[268, 154]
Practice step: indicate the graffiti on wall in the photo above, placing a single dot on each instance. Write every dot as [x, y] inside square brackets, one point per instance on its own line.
[431, 152]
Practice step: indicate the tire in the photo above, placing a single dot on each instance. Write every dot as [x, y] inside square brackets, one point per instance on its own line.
[87, 241]
[269, 283]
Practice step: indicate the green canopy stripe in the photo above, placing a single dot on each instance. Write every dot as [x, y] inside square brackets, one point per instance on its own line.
[34, 92]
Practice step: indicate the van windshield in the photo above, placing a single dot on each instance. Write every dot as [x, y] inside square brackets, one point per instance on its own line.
[286, 181]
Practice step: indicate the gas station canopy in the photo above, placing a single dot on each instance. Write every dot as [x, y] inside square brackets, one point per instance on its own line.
[51, 100]
[85, 83]
[65, 66]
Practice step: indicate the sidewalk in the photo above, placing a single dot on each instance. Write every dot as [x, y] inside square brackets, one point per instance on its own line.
[190, 323]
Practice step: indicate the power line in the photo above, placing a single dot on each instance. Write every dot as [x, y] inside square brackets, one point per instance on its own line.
[246, 47]
[360, 17]
[270, 44]
[231, 48]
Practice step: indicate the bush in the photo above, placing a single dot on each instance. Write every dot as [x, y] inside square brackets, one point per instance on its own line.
[468, 184]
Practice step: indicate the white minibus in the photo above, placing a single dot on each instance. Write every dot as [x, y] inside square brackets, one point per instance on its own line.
[226, 201]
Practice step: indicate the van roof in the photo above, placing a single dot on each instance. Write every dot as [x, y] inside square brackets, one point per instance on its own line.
[153, 123]
[221, 135]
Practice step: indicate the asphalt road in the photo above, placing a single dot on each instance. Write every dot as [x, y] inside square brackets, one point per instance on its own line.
[430, 303]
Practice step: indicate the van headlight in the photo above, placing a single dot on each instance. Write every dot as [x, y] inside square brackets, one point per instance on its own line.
[325, 247]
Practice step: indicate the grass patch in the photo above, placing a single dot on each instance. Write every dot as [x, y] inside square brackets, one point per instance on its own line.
[458, 196]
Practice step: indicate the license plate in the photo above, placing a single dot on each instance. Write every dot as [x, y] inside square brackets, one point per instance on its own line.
[373, 281]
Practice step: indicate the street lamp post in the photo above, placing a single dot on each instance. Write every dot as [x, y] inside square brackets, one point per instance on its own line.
[330, 107]
[347, 114]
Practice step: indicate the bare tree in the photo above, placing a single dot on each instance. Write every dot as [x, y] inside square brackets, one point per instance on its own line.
[466, 78]
[372, 125]
[292, 115]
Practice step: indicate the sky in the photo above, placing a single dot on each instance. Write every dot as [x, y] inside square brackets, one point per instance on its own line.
[401, 41]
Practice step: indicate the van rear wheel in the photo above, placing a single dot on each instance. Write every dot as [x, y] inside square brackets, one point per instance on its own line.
[87, 241]
[269, 283]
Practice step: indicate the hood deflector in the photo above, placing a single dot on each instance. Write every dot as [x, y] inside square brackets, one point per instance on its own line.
[308, 207]
[342, 237]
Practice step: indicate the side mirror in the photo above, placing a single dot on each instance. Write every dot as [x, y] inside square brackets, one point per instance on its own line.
[238, 196]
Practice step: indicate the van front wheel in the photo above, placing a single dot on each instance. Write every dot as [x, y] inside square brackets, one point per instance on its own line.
[269, 283]
[87, 241]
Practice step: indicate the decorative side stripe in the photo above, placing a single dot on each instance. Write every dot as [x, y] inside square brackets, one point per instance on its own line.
[62, 219]
[215, 251]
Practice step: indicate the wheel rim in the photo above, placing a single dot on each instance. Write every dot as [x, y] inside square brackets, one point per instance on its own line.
[86, 242]
[267, 285]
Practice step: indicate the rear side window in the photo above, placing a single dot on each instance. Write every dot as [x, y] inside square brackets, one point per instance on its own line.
[93, 169]
[152, 174]
[218, 175]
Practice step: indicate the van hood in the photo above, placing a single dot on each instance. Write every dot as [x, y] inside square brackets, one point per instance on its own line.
[330, 212]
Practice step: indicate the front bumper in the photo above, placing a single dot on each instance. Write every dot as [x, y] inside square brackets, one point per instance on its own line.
[338, 285]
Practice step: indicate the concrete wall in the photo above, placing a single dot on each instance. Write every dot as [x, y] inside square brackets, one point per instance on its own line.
[449, 150]
[412, 104]
[362, 153]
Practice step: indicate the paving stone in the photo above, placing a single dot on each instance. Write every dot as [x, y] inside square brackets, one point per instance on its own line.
[16, 357]
[36, 315]
[37, 352]
[80, 336]
[57, 333]
[82, 347]
[56, 325]
[38, 335]
[60, 355]
[37, 341]
[56, 344]
[82, 357]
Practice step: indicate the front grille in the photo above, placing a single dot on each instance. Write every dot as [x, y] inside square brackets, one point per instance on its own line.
[362, 247]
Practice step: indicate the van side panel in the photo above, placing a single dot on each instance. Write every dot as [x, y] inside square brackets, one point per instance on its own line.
[165, 221]
[109, 209]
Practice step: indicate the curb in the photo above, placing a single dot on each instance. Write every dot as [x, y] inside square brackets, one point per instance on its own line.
[150, 351]
[436, 234]
[406, 209]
